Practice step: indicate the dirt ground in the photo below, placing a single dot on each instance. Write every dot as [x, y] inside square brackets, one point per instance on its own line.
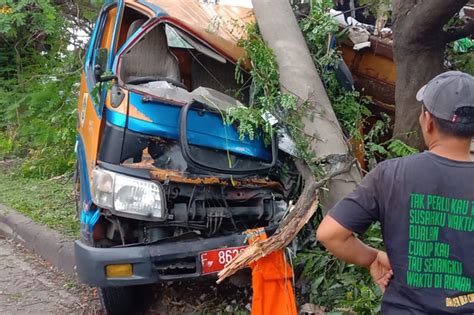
[28, 285]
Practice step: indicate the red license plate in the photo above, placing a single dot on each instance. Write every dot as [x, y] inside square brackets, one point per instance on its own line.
[215, 260]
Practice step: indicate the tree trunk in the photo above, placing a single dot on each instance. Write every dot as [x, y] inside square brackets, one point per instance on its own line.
[419, 46]
[414, 69]
[298, 76]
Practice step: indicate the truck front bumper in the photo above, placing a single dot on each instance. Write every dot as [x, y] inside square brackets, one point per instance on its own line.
[153, 263]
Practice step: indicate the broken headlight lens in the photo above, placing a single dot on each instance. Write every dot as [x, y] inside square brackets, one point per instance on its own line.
[128, 196]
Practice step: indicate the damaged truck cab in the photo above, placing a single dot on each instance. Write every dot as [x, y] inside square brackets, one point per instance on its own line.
[167, 187]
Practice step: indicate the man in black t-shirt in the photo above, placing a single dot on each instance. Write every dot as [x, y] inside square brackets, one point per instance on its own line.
[425, 205]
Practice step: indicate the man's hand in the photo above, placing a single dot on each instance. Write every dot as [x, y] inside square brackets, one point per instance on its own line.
[342, 243]
[381, 270]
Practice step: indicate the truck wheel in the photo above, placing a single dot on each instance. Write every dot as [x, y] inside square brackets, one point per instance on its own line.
[117, 300]
[126, 300]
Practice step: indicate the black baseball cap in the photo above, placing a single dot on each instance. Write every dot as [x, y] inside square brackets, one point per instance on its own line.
[446, 93]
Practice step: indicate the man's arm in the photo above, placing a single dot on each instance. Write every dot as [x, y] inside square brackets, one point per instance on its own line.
[343, 244]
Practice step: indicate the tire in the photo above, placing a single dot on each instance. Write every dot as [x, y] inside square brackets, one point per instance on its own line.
[126, 300]
[117, 300]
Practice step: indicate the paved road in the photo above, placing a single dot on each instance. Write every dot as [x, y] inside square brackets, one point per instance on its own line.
[28, 285]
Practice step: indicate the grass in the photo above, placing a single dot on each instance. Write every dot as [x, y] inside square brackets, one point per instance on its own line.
[46, 201]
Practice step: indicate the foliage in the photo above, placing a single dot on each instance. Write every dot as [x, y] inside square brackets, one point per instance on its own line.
[264, 69]
[268, 101]
[398, 148]
[38, 87]
[461, 60]
[464, 62]
[48, 202]
[460, 53]
[350, 107]
[319, 28]
[338, 286]
[376, 5]
[392, 148]
[265, 73]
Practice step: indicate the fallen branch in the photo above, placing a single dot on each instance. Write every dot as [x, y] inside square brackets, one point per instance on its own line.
[303, 211]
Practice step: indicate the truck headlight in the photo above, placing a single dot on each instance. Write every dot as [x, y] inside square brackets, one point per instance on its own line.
[128, 196]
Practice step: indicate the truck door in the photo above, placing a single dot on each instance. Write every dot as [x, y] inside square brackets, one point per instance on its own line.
[92, 94]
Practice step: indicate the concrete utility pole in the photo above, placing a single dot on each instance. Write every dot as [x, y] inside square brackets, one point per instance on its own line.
[298, 76]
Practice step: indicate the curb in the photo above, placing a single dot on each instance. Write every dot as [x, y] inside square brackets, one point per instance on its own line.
[50, 245]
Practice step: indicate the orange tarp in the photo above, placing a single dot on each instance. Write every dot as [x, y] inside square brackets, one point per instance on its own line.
[272, 285]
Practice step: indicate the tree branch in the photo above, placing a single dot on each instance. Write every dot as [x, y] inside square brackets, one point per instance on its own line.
[456, 33]
[75, 9]
[426, 17]
[436, 13]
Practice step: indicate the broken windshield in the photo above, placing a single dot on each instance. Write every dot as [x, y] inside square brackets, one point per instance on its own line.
[169, 65]
[167, 53]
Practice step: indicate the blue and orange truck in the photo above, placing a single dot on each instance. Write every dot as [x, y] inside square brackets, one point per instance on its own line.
[167, 186]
